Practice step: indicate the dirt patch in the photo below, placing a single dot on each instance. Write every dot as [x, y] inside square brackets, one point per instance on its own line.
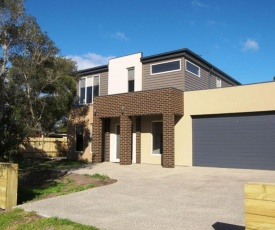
[85, 180]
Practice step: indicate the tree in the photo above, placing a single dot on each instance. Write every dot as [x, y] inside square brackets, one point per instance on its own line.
[37, 85]
[11, 18]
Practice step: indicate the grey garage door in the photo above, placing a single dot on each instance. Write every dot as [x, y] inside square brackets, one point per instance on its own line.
[235, 141]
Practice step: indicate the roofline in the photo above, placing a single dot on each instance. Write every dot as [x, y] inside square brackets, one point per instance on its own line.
[93, 70]
[185, 52]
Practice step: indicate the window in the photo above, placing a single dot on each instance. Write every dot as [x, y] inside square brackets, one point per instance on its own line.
[157, 142]
[131, 79]
[166, 67]
[79, 137]
[88, 89]
[218, 82]
[192, 68]
[91, 138]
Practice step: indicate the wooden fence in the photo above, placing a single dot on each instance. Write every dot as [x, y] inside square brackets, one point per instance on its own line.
[259, 206]
[45, 146]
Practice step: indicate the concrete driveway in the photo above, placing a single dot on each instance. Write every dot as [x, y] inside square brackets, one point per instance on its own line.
[152, 197]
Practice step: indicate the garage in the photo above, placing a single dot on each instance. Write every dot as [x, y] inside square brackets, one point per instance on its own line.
[244, 141]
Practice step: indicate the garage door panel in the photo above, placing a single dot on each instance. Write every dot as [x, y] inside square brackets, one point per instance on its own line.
[235, 141]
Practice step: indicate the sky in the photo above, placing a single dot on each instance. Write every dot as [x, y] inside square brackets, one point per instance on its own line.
[236, 36]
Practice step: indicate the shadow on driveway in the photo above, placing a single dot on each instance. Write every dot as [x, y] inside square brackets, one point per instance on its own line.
[223, 226]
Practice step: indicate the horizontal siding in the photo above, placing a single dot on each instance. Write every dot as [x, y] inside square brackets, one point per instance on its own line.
[235, 141]
[193, 82]
[165, 80]
[103, 84]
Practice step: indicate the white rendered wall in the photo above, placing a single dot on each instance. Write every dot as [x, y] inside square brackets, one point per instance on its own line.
[118, 73]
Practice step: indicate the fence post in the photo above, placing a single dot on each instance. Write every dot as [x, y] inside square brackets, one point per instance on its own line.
[8, 185]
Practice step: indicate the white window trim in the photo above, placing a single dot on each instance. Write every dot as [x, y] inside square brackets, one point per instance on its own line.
[190, 71]
[218, 82]
[165, 71]
[97, 75]
[154, 154]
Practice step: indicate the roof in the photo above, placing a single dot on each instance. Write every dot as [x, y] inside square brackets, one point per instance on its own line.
[162, 56]
[189, 54]
[93, 70]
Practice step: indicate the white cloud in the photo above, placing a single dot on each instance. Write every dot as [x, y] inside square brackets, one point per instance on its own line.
[89, 60]
[196, 3]
[250, 44]
[120, 36]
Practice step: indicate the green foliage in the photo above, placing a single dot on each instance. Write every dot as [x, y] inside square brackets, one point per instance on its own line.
[20, 220]
[37, 84]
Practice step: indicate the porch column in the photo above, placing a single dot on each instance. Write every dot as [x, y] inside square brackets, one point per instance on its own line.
[168, 156]
[125, 140]
[138, 138]
[97, 140]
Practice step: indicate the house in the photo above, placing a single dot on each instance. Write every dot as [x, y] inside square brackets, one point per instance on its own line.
[173, 108]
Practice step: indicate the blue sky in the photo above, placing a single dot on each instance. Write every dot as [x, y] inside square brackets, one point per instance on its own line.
[237, 36]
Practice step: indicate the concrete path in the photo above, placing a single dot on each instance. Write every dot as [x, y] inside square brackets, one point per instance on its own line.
[152, 197]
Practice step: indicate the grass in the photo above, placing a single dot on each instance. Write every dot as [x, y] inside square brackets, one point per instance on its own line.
[39, 179]
[18, 219]
[98, 176]
[57, 188]
[40, 164]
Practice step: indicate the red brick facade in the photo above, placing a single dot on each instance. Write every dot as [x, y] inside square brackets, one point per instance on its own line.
[165, 102]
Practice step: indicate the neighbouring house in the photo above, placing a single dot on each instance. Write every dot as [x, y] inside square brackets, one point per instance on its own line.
[173, 108]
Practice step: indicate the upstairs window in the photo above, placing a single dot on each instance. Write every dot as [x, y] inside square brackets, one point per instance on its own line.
[192, 68]
[165, 67]
[131, 79]
[218, 82]
[88, 89]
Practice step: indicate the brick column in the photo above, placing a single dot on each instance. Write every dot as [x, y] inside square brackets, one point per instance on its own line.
[125, 140]
[138, 140]
[97, 140]
[107, 139]
[168, 157]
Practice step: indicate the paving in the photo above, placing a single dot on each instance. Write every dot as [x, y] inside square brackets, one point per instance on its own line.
[152, 197]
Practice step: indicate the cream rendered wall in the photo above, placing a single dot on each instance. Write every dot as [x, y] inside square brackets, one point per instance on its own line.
[239, 99]
[118, 73]
[146, 140]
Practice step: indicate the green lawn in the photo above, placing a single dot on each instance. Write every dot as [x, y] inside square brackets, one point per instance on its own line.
[18, 219]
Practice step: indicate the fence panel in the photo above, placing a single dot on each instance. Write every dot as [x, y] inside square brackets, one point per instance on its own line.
[45, 146]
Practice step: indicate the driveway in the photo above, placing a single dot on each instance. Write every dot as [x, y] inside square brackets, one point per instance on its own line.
[152, 197]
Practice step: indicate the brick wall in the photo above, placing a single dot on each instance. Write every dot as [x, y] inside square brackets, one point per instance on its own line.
[167, 102]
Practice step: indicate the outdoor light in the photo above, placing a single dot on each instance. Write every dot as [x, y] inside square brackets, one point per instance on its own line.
[122, 109]
[94, 111]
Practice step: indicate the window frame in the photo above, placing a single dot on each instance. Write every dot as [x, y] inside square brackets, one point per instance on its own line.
[79, 89]
[218, 82]
[128, 69]
[75, 131]
[152, 138]
[169, 71]
[198, 75]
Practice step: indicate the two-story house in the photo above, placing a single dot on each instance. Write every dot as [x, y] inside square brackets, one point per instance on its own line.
[172, 108]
